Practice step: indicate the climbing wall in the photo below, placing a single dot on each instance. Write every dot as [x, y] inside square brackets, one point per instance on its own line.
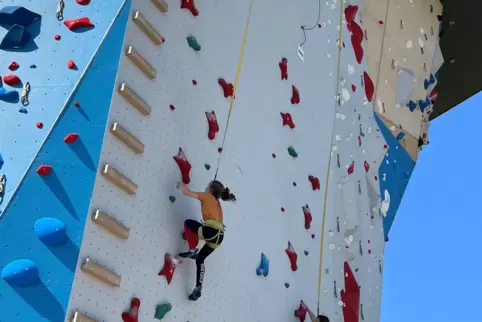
[313, 113]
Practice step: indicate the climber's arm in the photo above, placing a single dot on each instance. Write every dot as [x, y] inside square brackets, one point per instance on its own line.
[313, 318]
[185, 190]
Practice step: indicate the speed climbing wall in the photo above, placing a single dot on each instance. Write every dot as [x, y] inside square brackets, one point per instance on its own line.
[127, 98]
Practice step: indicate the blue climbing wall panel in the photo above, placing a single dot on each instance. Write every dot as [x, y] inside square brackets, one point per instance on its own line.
[43, 63]
[394, 173]
[41, 229]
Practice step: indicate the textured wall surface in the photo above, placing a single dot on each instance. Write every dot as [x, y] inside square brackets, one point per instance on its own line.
[356, 133]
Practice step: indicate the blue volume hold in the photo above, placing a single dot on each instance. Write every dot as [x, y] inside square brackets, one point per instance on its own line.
[1, 162]
[21, 273]
[17, 37]
[16, 15]
[50, 231]
[412, 106]
[9, 96]
[263, 268]
[400, 136]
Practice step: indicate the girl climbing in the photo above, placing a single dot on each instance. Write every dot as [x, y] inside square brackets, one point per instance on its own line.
[211, 230]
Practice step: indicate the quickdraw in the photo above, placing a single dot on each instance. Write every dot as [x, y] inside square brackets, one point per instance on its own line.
[25, 93]
[60, 10]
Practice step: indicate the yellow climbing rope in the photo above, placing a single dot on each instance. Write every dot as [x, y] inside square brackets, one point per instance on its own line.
[236, 80]
[327, 180]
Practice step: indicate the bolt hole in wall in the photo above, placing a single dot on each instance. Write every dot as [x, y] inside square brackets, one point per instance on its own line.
[137, 155]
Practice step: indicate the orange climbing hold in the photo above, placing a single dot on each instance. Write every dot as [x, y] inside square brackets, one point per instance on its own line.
[44, 170]
[71, 138]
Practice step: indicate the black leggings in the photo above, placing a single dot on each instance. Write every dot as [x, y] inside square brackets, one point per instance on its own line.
[210, 234]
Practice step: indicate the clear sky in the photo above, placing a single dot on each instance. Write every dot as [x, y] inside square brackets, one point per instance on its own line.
[433, 259]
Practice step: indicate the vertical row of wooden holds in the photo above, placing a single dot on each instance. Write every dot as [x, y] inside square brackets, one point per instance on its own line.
[102, 219]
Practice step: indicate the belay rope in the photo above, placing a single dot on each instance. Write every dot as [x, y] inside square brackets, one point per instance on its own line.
[236, 80]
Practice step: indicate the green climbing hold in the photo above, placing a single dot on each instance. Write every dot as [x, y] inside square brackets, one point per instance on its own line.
[207, 166]
[192, 42]
[162, 310]
[172, 199]
[292, 152]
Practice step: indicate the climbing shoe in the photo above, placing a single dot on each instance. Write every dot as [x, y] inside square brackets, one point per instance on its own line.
[196, 294]
[192, 254]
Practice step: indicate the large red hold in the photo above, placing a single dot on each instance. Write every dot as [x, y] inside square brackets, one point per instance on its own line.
[190, 5]
[295, 97]
[132, 315]
[228, 88]
[44, 170]
[213, 125]
[283, 65]
[369, 87]
[170, 264]
[315, 183]
[184, 166]
[351, 168]
[350, 296]
[71, 138]
[13, 66]
[83, 2]
[350, 13]
[308, 217]
[74, 24]
[11, 80]
[287, 120]
[290, 251]
[300, 313]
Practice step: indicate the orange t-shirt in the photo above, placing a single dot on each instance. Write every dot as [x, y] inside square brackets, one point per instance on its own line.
[210, 207]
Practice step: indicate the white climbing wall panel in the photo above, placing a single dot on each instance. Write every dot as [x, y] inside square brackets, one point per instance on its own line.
[175, 86]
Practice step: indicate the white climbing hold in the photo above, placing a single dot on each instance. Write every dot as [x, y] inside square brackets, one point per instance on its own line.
[422, 31]
[409, 44]
[421, 42]
[351, 69]
[340, 116]
[345, 94]
[331, 247]
[385, 203]
[349, 239]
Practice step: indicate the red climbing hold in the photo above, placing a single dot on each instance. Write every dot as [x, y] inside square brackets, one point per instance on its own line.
[57, 37]
[13, 66]
[313, 236]
[283, 65]
[220, 149]
[76, 104]
[287, 120]
[290, 251]
[170, 264]
[367, 166]
[385, 146]
[228, 88]
[315, 183]
[44, 170]
[295, 97]
[282, 209]
[71, 64]
[213, 125]
[273, 155]
[194, 82]
[74, 24]
[380, 22]
[369, 88]
[294, 184]
[351, 168]
[350, 296]
[359, 141]
[353, 88]
[356, 40]
[184, 166]
[301, 312]
[11, 80]
[308, 217]
[350, 13]
[133, 314]
[83, 2]
[189, 5]
[71, 138]
[172, 107]
[369, 251]
[39, 125]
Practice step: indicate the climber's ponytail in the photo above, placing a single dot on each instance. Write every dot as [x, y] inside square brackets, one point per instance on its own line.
[218, 190]
[226, 195]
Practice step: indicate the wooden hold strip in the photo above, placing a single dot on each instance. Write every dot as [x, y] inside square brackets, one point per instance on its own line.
[121, 181]
[110, 224]
[141, 62]
[79, 317]
[147, 28]
[100, 272]
[135, 100]
[127, 138]
[161, 5]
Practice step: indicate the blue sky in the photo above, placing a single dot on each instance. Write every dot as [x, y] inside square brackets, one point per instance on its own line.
[432, 261]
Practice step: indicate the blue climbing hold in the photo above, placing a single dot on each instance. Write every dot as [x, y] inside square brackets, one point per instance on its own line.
[17, 37]
[431, 9]
[423, 104]
[9, 96]
[1, 162]
[426, 84]
[16, 15]
[21, 273]
[412, 105]
[400, 135]
[263, 268]
[50, 231]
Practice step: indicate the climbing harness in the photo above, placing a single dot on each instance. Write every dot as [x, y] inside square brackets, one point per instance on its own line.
[25, 93]
[214, 241]
[236, 80]
[327, 180]
[60, 10]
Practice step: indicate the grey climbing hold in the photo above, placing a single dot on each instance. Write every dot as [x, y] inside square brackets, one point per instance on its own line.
[334, 289]
[207, 166]
[338, 224]
[360, 247]
[306, 252]
[172, 199]
[338, 160]
[287, 285]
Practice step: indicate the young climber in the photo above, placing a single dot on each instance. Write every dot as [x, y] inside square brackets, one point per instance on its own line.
[211, 230]
[319, 318]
